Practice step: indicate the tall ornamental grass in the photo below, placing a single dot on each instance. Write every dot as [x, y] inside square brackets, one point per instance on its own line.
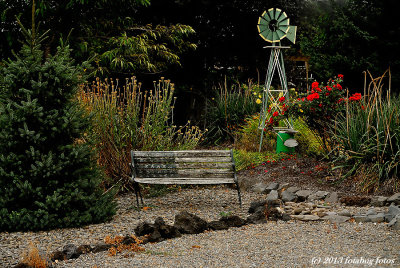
[125, 117]
[229, 108]
[368, 138]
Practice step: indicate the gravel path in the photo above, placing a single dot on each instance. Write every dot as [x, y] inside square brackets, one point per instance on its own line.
[275, 244]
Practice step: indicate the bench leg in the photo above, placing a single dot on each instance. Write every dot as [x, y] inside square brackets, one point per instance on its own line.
[138, 193]
[240, 198]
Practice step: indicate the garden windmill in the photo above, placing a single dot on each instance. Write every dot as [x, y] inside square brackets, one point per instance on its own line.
[273, 26]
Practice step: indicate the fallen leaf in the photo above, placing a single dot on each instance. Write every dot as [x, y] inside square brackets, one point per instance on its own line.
[196, 246]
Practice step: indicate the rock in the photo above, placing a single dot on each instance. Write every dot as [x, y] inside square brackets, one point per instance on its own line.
[166, 231]
[298, 210]
[395, 222]
[393, 211]
[233, 221]
[188, 223]
[345, 212]
[257, 217]
[273, 196]
[286, 217]
[333, 213]
[255, 204]
[361, 218]
[70, 251]
[263, 214]
[332, 198]
[319, 195]
[144, 228]
[259, 187]
[84, 249]
[156, 232]
[356, 200]
[217, 225]
[336, 218]
[378, 201]
[271, 186]
[394, 199]
[288, 196]
[293, 189]
[101, 247]
[305, 217]
[371, 211]
[283, 187]
[302, 195]
[380, 217]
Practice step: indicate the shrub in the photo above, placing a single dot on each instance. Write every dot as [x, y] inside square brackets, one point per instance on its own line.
[48, 179]
[248, 136]
[227, 110]
[128, 118]
[368, 139]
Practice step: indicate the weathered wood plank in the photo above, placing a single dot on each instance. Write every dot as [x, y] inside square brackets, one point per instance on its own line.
[184, 180]
[185, 165]
[183, 160]
[188, 153]
[193, 173]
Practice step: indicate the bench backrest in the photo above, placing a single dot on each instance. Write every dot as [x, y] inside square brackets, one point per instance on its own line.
[184, 167]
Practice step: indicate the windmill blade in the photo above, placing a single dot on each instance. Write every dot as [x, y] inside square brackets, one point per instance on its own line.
[271, 14]
[279, 14]
[281, 34]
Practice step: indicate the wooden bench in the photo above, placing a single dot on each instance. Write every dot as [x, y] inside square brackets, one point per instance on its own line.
[183, 167]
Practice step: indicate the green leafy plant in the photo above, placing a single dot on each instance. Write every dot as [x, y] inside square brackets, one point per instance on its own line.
[227, 110]
[319, 108]
[247, 136]
[367, 138]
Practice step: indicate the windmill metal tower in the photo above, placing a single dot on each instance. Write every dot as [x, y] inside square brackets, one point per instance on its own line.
[273, 26]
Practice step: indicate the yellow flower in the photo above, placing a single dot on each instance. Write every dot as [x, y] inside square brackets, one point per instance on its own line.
[301, 110]
[259, 95]
[258, 101]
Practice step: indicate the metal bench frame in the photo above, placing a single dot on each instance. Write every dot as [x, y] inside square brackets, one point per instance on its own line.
[183, 167]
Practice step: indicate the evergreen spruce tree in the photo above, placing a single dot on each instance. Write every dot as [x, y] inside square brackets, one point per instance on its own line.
[48, 178]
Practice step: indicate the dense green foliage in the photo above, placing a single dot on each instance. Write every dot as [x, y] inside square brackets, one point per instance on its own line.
[351, 38]
[228, 109]
[106, 30]
[48, 178]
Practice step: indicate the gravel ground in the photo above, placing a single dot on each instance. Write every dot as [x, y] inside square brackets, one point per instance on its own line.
[275, 244]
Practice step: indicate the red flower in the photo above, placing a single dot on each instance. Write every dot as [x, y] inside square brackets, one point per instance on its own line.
[320, 105]
[314, 85]
[275, 113]
[340, 76]
[313, 96]
[355, 97]
[338, 86]
[318, 89]
[327, 94]
[282, 99]
[328, 88]
[340, 100]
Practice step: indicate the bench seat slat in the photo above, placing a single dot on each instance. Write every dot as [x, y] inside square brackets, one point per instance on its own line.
[178, 154]
[177, 175]
[185, 180]
[184, 165]
[183, 160]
